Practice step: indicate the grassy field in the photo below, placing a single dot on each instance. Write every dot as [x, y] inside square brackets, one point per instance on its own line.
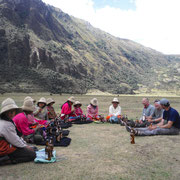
[103, 151]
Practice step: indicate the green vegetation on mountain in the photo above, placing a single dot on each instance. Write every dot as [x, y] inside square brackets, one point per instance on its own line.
[45, 49]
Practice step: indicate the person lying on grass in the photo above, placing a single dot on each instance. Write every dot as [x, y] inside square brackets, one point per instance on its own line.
[114, 111]
[11, 143]
[170, 124]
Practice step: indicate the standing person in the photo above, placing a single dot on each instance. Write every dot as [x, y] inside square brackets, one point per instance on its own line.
[157, 115]
[23, 125]
[170, 125]
[10, 142]
[93, 110]
[51, 112]
[41, 112]
[114, 111]
[66, 109]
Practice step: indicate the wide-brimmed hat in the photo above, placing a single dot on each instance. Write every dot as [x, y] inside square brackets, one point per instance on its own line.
[77, 103]
[71, 99]
[42, 100]
[94, 102]
[50, 100]
[28, 105]
[29, 98]
[115, 100]
[164, 102]
[7, 105]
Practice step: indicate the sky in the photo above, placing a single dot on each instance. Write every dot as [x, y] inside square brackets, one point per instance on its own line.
[152, 23]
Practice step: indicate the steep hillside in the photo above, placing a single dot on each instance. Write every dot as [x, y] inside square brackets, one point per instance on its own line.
[45, 49]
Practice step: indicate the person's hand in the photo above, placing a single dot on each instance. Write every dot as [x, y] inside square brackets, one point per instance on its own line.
[150, 120]
[30, 148]
[152, 127]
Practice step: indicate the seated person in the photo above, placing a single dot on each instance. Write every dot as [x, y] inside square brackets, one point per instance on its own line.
[40, 111]
[11, 144]
[78, 112]
[92, 110]
[148, 111]
[114, 111]
[22, 123]
[157, 115]
[50, 108]
[170, 125]
[66, 109]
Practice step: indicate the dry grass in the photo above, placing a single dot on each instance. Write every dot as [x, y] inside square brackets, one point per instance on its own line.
[103, 151]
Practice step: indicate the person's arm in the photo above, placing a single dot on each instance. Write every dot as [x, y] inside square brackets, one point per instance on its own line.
[37, 111]
[118, 112]
[151, 112]
[110, 110]
[24, 126]
[168, 125]
[11, 136]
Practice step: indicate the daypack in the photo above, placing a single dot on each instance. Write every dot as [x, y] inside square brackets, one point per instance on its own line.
[5, 147]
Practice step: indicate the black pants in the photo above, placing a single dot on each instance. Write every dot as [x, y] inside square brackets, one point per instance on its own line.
[22, 155]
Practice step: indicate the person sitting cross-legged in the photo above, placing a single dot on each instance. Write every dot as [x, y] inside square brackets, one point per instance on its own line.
[66, 109]
[170, 124]
[51, 112]
[114, 111]
[23, 125]
[11, 143]
[157, 115]
[93, 111]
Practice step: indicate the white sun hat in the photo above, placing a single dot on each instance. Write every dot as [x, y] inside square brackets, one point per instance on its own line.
[28, 105]
[115, 100]
[94, 102]
[7, 105]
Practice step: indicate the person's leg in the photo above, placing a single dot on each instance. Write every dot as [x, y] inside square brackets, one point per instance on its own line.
[146, 132]
[158, 131]
[168, 131]
[22, 155]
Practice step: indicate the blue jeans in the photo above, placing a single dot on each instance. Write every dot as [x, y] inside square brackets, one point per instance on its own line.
[113, 119]
[157, 131]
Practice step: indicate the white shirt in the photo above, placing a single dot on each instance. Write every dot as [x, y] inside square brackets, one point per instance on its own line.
[113, 111]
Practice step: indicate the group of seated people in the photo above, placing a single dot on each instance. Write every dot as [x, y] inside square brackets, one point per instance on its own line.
[160, 119]
[19, 126]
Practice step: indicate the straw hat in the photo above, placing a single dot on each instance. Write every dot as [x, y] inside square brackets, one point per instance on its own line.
[94, 102]
[28, 105]
[71, 99]
[77, 103]
[50, 100]
[42, 100]
[115, 100]
[7, 105]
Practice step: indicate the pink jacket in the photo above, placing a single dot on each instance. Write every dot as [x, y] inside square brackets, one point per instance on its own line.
[66, 110]
[78, 111]
[91, 111]
[22, 124]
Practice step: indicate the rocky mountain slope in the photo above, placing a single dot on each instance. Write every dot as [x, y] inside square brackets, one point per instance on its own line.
[45, 49]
